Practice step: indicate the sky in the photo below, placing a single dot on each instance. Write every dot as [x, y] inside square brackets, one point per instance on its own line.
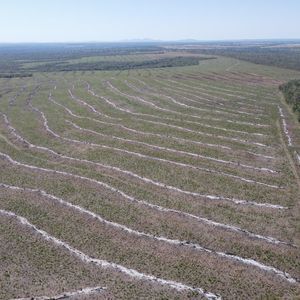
[118, 20]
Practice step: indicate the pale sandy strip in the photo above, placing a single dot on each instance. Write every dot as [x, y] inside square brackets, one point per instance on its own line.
[13, 131]
[285, 129]
[219, 110]
[210, 197]
[218, 98]
[92, 108]
[118, 92]
[210, 126]
[150, 157]
[161, 148]
[219, 88]
[106, 264]
[200, 117]
[187, 90]
[66, 295]
[156, 183]
[129, 230]
[151, 133]
[205, 90]
[241, 98]
[138, 131]
[175, 126]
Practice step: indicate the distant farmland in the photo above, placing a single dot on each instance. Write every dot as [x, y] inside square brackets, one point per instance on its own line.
[149, 183]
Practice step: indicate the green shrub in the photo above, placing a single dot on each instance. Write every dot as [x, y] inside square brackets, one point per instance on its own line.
[291, 92]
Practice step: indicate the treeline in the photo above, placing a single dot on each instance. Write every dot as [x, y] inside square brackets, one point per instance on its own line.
[120, 65]
[57, 57]
[291, 92]
[59, 52]
[16, 75]
[13, 57]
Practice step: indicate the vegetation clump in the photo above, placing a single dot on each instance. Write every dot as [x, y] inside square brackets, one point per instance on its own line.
[291, 92]
[15, 75]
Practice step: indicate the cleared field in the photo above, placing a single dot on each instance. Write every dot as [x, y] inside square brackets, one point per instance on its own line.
[172, 183]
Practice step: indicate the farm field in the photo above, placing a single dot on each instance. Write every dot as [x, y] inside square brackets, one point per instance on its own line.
[162, 183]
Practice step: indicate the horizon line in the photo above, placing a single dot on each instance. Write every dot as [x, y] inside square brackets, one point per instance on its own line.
[146, 40]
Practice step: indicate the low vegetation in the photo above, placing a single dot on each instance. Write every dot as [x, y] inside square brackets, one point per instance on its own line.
[156, 174]
[283, 54]
[279, 57]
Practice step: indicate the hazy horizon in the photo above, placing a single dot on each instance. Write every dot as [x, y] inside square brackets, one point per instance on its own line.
[119, 21]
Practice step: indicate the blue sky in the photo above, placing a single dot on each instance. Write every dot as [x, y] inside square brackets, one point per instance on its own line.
[113, 20]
